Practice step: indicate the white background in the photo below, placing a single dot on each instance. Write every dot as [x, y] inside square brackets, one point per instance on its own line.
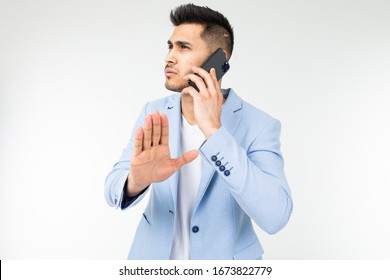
[73, 78]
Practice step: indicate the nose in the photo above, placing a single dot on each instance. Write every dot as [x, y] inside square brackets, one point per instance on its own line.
[170, 58]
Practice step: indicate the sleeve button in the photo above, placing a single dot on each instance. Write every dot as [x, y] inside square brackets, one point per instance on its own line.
[218, 163]
[227, 172]
[214, 158]
[222, 168]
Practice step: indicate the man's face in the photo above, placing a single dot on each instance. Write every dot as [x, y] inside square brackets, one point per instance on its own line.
[186, 49]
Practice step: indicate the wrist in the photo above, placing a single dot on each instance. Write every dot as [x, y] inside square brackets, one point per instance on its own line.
[209, 132]
[132, 189]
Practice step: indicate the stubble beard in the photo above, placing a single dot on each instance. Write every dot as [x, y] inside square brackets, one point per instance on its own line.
[174, 87]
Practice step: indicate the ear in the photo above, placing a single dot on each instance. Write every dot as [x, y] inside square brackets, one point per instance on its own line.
[226, 54]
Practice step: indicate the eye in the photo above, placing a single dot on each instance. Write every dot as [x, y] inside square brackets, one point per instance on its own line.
[170, 46]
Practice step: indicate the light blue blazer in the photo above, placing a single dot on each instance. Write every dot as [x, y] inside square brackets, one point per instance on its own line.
[242, 180]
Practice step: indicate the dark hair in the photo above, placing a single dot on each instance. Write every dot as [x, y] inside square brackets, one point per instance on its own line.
[217, 30]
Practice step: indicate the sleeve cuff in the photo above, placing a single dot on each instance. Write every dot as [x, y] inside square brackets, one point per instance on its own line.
[126, 200]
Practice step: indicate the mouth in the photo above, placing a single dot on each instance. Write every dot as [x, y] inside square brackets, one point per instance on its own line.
[169, 72]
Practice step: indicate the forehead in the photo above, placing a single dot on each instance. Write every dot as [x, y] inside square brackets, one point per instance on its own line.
[189, 32]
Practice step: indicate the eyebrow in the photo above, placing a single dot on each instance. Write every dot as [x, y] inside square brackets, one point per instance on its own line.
[180, 43]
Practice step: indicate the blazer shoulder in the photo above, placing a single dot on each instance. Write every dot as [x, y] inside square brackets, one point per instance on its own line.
[256, 117]
[260, 124]
[252, 110]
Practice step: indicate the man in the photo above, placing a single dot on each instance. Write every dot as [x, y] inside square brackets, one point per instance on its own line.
[211, 161]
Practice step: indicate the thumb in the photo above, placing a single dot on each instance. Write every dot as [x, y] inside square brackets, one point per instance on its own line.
[190, 156]
[185, 158]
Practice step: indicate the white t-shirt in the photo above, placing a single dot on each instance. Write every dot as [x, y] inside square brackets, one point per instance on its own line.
[189, 178]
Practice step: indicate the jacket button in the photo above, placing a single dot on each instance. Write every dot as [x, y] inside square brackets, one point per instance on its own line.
[195, 229]
[222, 168]
[218, 163]
[214, 158]
[227, 172]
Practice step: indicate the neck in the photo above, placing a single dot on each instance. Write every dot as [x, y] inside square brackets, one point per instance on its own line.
[187, 108]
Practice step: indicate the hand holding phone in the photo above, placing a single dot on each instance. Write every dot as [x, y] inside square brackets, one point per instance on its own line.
[217, 61]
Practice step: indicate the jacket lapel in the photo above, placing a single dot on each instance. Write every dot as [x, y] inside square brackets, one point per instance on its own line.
[230, 117]
[173, 112]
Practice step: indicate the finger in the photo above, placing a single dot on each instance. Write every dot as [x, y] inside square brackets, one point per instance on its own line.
[164, 130]
[139, 135]
[147, 132]
[184, 159]
[156, 130]
[206, 76]
[198, 81]
[200, 71]
[213, 74]
[191, 91]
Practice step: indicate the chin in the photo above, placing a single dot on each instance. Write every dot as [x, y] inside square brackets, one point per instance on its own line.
[175, 87]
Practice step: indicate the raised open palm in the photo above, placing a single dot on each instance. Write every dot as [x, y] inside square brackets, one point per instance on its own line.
[151, 161]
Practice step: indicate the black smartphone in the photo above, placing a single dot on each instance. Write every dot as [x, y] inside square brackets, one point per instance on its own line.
[217, 61]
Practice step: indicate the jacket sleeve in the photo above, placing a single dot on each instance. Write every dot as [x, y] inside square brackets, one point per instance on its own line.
[255, 175]
[117, 178]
